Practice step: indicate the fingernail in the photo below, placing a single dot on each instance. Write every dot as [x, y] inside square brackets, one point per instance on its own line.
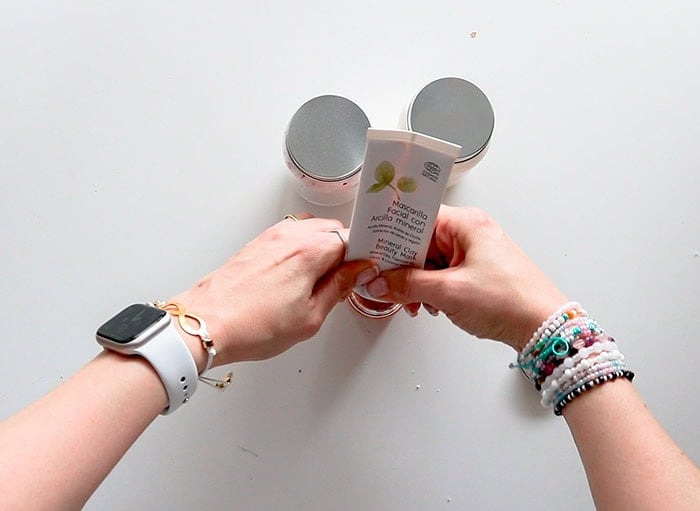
[431, 310]
[411, 312]
[378, 287]
[366, 276]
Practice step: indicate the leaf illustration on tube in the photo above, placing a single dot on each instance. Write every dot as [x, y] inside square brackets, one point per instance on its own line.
[377, 187]
[407, 184]
[384, 174]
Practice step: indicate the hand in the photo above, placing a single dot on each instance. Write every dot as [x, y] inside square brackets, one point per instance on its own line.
[480, 279]
[275, 292]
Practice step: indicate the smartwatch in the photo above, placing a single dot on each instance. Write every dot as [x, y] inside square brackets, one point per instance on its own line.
[149, 332]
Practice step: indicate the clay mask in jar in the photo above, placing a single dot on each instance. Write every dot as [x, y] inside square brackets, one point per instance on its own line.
[455, 110]
[324, 146]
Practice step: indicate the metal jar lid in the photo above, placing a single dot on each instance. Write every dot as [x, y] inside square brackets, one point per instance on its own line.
[455, 110]
[326, 138]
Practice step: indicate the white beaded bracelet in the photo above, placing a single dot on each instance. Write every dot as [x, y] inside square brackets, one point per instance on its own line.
[581, 371]
[570, 362]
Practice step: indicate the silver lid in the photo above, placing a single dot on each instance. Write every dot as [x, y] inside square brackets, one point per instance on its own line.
[326, 138]
[455, 110]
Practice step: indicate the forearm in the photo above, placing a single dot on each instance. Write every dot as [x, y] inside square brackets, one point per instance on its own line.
[630, 461]
[57, 451]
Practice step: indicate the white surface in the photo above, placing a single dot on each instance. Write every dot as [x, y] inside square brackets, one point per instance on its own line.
[140, 145]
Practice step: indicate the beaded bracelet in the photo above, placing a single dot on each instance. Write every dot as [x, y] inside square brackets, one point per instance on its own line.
[598, 370]
[555, 318]
[598, 366]
[584, 366]
[568, 355]
[568, 364]
[554, 385]
[559, 407]
[569, 333]
[554, 394]
[544, 357]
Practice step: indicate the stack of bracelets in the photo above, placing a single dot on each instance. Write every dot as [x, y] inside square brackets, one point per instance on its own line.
[568, 355]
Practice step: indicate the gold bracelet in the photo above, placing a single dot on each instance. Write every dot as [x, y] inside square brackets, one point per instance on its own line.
[200, 331]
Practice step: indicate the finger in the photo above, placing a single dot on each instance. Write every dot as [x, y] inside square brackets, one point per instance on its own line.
[312, 247]
[412, 309]
[445, 243]
[296, 217]
[457, 230]
[436, 262]
[323, 252]
[431, 310]
[338, 284]
[321, 224]
[343, 240]
[310, 225]
[409, 285]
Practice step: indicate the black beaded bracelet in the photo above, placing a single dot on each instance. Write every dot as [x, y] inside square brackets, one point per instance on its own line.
[559, 407]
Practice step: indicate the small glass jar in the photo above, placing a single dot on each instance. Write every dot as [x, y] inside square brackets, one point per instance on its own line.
[324, 147]
[372, 308]
[455, 110]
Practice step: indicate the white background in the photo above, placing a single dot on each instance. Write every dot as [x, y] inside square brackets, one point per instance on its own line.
[140, 146]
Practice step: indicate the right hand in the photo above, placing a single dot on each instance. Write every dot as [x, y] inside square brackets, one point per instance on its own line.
[481, 280]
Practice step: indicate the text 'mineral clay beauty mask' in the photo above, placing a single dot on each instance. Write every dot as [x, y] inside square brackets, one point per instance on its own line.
[324, 146]
[401, 187]
[455, 110]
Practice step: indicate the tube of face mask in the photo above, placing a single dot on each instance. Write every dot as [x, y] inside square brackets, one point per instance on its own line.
[404, 176]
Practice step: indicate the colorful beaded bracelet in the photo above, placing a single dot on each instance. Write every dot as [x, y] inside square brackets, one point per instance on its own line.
[576, 332]
[555, 319]
[575, 363]
[568, 355]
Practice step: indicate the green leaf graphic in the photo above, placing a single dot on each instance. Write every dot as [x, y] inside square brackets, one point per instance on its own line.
[407, 184]
[376, 187]
[384, 173]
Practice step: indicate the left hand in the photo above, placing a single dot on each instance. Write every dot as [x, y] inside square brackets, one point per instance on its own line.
[276, 291]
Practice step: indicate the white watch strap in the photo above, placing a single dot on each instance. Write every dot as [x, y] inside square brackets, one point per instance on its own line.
[172, 360]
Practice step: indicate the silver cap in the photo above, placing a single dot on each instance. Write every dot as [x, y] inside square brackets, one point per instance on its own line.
[326, 138]
[455, 110]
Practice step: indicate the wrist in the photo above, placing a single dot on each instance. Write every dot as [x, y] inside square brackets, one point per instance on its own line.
[136, 371]
[194, 344]
[213, 326]
[149, 332]
[193, 330]
[539, 311]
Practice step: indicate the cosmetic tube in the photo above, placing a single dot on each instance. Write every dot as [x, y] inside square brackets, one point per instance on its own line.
[401, 187]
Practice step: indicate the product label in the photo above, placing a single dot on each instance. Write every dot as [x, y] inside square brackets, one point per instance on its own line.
[401, 186]
[399, 233]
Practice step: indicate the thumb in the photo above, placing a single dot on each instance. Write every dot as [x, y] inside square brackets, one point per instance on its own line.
[338, 284]
[409, 285]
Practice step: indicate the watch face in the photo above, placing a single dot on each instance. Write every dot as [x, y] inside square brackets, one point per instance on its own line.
[129, 323]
